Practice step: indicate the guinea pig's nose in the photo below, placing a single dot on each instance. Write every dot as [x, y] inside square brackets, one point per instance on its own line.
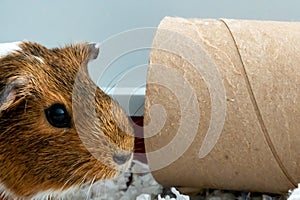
[121, 158]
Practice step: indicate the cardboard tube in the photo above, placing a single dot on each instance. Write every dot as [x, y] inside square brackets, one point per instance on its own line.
[222, 105]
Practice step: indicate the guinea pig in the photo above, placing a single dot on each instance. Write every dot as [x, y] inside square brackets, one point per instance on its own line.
[58, 130]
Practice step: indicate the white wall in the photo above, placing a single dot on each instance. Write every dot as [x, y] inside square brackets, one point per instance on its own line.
[57, 22]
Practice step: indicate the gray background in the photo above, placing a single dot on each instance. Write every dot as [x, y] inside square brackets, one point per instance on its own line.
[58, 22]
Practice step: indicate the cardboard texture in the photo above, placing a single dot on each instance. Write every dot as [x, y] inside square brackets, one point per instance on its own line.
[222, 105]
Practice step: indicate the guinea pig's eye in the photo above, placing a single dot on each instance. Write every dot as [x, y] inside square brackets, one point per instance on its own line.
[57, 115]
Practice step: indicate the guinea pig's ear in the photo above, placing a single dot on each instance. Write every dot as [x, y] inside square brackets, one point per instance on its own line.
[9, 93]
[94, 50]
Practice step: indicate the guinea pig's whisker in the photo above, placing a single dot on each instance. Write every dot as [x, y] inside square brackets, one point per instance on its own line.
[25, 107]
[117, 77]
[4, 195]
[89, 189]
[110, 174]
[74, 173]
[84, 178]
[139, 108]
[108, 88]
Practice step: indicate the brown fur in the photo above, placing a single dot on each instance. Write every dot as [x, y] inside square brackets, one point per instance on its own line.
[35, 156]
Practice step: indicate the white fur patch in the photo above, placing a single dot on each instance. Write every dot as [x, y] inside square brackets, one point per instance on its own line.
[7, 48]
[39, 59]
[5, 193]
[45, 195]
[57, 194]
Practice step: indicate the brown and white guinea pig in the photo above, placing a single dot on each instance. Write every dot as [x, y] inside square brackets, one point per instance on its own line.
[51, 139]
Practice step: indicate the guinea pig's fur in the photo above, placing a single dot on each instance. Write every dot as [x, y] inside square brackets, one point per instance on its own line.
[37, 158]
